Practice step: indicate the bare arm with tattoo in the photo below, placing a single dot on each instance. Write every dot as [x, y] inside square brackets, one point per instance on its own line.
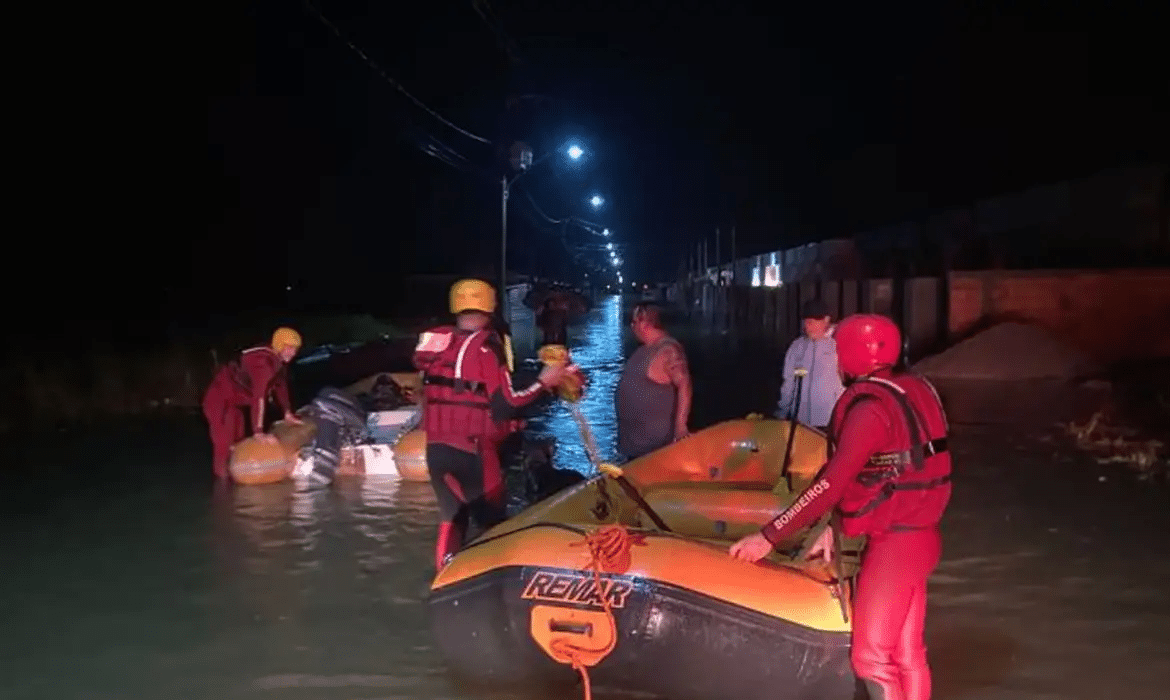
[674, 362]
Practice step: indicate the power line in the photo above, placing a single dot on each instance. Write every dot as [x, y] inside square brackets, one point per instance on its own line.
[488, 16]
[378, 69]
[555, 222]
[574, 251]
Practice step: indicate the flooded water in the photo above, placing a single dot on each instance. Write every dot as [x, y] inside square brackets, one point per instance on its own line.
[126, 575]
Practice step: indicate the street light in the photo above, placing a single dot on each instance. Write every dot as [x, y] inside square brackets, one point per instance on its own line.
[609, 246]
[526, 164]
[596, 201]
[605, 233]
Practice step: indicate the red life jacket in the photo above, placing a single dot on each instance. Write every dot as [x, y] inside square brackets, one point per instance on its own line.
[234, 381]
[458, 395]
[908, 487]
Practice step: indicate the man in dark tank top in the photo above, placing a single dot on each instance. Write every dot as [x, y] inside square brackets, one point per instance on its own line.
[654, 394]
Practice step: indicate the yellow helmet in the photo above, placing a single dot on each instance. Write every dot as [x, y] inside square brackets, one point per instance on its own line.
[285, 337]
[472, 295]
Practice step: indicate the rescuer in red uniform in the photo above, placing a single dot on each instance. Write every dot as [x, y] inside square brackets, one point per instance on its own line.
[246, 383]
[889, 478]
[469, 406]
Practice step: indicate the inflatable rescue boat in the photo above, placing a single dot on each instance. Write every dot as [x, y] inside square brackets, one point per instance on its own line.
[348, 432]
[625, 580]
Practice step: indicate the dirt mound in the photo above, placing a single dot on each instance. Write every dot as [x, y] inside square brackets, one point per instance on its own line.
[1008, 352]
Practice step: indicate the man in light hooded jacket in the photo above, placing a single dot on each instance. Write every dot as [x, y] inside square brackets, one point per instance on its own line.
[816, 352]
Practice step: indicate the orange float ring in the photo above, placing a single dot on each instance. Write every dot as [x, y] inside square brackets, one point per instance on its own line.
[410, 456]
[257, 461]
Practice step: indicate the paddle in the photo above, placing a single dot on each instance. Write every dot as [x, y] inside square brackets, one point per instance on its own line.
[800, 374]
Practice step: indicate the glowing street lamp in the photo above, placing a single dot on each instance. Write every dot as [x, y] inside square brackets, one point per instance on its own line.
[605, 233]
[609, 246]
[575, 152]
[596, 201]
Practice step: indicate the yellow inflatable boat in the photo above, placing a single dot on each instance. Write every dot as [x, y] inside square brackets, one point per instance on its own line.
[625, 579]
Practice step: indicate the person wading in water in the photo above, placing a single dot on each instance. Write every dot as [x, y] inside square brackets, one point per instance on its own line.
[553, 319]
[654, 394]
[888, 478]
[816, 353]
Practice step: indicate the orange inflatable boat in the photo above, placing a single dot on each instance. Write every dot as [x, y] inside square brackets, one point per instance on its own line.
[625, 579]
[256, 461]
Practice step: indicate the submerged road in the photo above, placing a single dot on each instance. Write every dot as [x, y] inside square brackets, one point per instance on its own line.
[127, 576]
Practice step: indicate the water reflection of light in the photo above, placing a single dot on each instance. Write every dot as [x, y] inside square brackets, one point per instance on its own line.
[596, 345]
[380, 491]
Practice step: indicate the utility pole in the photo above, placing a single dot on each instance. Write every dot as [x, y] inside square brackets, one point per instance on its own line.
[504, 248]
[733, 258]
[718, 259]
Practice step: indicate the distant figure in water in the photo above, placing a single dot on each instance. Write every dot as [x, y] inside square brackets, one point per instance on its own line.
[816, 352]
[553, 319]
[245, 384]
[654, 394]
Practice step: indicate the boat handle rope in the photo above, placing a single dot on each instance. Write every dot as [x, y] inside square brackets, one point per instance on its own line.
[611, 470]
[592, 453]
[609, 549]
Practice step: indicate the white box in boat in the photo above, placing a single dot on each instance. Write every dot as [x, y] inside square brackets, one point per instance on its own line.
[370, 460]
[376, 459]
[384, 419]
[387, 427]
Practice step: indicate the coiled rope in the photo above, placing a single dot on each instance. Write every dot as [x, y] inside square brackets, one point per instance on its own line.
[609, 551]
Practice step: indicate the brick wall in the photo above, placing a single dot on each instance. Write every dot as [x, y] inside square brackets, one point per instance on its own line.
[1116, 314]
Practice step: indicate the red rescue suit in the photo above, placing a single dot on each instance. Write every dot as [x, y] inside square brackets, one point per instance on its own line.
[469, 407]
[245, 383]
[889, 479]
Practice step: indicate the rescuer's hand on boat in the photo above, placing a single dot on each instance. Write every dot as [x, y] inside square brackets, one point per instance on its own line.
[292, 418]
[823, 547]
[752, 548]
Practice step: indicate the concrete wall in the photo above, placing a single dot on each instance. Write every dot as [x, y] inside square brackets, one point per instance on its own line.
[1114, 315]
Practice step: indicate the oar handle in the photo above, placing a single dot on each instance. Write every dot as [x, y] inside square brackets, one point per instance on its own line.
[800, 373]
[615, 472]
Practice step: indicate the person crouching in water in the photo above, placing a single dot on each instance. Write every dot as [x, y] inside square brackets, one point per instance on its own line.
[245, 384]
[468, 404]
[815, 352]
[889, 479]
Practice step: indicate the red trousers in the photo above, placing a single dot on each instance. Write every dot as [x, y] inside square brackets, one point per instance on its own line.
[889, 612]
[469, 485]
[225, 422]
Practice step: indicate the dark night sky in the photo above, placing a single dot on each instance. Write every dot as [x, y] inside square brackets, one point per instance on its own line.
[797, 121]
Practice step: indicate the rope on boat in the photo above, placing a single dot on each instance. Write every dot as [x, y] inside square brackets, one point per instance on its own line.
[609, 550]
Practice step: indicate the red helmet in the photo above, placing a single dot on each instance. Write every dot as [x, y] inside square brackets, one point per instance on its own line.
[867, 343]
